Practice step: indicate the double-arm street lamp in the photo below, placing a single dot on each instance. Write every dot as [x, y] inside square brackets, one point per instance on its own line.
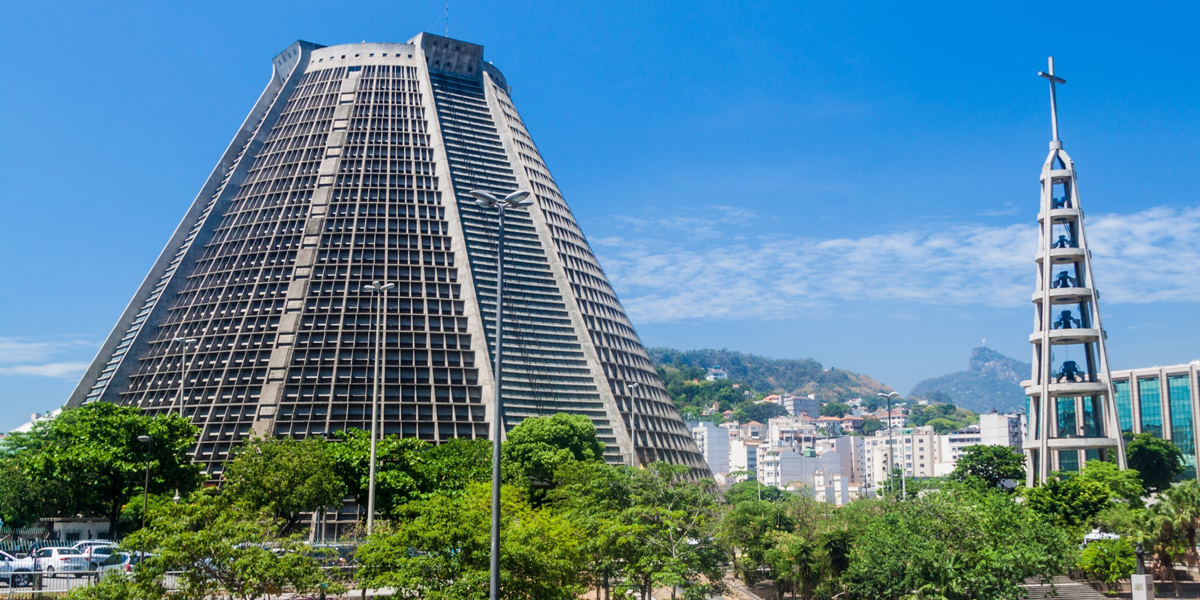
[516, 199]
[891, 447]
[381, 290]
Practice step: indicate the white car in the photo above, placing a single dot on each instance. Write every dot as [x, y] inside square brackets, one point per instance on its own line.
[16, 572]
[95, 551]
[53, 561]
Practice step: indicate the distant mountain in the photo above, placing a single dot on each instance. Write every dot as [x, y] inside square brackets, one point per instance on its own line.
[991, 380]
[800, 377]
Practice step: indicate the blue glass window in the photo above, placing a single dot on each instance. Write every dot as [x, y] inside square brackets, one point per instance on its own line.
[1179, 394]
[1066, 417]
[1068, 460]
[1151, 397]
[1124, 405]
[1093, 424]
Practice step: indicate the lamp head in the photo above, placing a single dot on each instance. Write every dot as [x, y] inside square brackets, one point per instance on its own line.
[518, 198]
[483, 198]
[145, 439]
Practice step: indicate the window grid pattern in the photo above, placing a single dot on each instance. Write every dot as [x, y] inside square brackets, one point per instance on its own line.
[385, 222]
[234, 295]
[545, 370]
[1150, 398]
[648, 411]
[114, 362]
[1124, 403]
[1179, 394]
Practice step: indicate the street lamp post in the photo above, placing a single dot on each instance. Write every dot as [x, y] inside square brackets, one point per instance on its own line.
[145, 439]
[514, 200]
[183, 376]
[891, 447]
[381, 289]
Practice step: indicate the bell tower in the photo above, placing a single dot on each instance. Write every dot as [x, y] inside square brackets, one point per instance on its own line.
[1072, 416]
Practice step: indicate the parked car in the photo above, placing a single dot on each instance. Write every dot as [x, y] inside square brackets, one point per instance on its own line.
[52, 561]
[95, 551]
[123, 562]
[11, 569]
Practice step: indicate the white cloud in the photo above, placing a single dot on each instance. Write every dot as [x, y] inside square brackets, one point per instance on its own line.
[62, 369]
[38, 358]
[1150, 256]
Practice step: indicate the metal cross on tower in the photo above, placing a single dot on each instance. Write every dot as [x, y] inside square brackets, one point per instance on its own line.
[1053, 98]
[1072, 417]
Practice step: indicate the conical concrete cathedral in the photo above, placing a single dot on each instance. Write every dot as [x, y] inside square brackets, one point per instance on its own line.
[354, 167]
[1072, 417]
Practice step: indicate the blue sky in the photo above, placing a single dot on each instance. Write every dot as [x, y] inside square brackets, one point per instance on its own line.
[851, 182]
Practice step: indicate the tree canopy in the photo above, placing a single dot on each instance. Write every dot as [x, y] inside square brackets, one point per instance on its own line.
[536, 448]
[285, 476]
[1156, 460]
[88, 461]
[991, 465]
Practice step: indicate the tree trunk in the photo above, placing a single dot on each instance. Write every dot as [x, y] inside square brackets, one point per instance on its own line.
[114, 517]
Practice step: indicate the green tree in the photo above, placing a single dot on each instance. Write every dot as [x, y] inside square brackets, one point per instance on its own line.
[748, 529]
[795, 562]
[285, 476]
[399, 477]
[1068, 501]
[870, 425]
[943, 426]
[669, 528]
[1182, 504]
[537, 447]
[23, 501]
[439, 549]
[454, 464]
[1158, 461]
[751, 490]
[990, 464]
[215, 548]
[761, 412]
[960, 543]
[91, 455]
[1159, 534]
[1123, 484]
[1108, 560]
[835, 409]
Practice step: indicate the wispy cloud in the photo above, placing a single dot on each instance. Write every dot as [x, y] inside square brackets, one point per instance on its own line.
[19, 356]
[1149, 256]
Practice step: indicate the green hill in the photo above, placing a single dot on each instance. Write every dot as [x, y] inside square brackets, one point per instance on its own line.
[775, 375]
[991, 380]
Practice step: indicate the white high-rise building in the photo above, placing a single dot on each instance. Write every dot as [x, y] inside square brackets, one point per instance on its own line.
[1000, 429]
[713, 441]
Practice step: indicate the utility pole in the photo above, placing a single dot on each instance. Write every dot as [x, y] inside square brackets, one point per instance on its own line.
[891, 445]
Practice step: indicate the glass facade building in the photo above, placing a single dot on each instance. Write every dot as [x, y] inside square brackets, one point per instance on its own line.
[354, 166]
[1166, 402]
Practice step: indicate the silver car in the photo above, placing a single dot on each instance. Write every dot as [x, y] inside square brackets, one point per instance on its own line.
[16, 572]
[95, 551]
[53, 561]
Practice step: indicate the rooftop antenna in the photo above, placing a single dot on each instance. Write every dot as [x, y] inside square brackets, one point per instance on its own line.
[1053, 99]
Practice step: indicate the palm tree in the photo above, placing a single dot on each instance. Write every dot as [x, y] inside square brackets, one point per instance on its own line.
[1159, 533]
[1183, 502]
